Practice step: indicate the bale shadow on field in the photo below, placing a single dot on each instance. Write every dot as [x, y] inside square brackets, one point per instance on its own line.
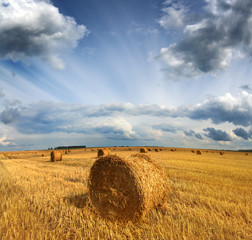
[79, 201]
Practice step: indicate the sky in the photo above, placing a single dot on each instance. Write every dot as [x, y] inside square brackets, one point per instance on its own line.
[125, 73]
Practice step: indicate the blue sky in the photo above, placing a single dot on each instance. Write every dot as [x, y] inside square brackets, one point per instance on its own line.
[100, 73]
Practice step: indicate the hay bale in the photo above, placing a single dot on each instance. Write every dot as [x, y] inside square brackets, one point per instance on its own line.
[56, 156]
[221, 153]
[103, 152]
[192, 151]
[149, 149]
[172, 150]
[198, 152]
[42, 155]
[66, 152]
[125, 189]
[143, 150]
[156, 150]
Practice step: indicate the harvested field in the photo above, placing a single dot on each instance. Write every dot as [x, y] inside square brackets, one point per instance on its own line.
[210, 197]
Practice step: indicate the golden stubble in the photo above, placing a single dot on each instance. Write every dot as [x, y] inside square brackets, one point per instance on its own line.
[210, 197]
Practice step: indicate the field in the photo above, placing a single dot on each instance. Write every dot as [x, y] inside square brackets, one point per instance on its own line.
[210, 197]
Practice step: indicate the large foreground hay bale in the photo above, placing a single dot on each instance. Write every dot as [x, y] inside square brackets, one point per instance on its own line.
[125, 189]
[56, 156]
[103, 152]
[143, 150]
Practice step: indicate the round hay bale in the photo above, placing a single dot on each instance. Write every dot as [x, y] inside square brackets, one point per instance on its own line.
[221, 153]
[143, 150]
[198, 152]
[42, 155]
[192, 151]
[156, 150]
[125, 189]
[172, 150]
[56, 156]
[66, 152]
[103, 152]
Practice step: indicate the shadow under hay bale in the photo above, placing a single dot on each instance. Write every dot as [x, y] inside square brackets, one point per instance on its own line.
[125, 189]
[79, 201]
[103, 152]
[56, 156]
[143, 150]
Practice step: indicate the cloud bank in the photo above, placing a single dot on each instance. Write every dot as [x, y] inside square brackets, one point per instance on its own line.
[35, 28]
[210, 44]
[125, 121]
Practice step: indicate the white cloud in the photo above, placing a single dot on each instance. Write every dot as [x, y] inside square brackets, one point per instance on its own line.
[34, 28]
[174, 15]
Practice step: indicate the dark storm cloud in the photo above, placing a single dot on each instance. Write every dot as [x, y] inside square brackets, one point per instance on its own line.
[197, 135]
[189, 133]
[217, 135]
[210, 44]
[36, 29]
[9, 115]
[240, 132]
[246, 87]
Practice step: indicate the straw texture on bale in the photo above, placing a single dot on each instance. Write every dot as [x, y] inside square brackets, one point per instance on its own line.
[143, 150]
[198, 152]
[56, 156]
[103, 152]
[125, 189]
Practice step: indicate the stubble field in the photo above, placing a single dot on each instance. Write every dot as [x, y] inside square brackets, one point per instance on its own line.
[210, 197]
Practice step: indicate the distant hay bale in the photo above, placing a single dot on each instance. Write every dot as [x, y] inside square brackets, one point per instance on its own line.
[56, 156]
[198, 152]
[149, 149]
[246, 154]
[221, 153]
[192, 151]
[125, 189]
[103, 152]
[160, 149]
[42, 155]
[129, 149]
[156, 150]
[66, 152]
[143, 150]
[172, 150]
